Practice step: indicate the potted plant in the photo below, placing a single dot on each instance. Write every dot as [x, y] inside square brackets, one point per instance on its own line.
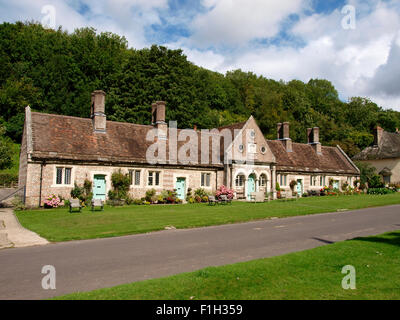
[292, 184]
[278, 190]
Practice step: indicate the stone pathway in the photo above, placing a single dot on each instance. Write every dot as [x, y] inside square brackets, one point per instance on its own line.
[12, 234]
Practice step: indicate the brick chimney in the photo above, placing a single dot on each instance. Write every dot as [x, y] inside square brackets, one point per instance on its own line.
[284, 136]
[378, 135]
[313, 139]
[158, 118]
[98, 115]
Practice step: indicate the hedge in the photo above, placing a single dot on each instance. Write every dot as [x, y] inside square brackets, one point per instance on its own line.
[8, 179]
[380, 191]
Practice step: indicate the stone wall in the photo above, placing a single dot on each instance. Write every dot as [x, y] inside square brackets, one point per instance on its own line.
[168, 178]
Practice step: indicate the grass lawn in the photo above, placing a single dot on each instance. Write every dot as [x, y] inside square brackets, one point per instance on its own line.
[311, 274]
[60, 225]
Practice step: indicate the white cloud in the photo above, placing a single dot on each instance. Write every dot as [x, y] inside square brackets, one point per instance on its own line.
[239, 21]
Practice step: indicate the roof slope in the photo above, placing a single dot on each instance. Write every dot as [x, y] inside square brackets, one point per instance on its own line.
[387, 148]
[304, 158]
[73, 138]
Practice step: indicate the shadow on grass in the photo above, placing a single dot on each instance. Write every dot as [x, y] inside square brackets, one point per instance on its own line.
[392, 238]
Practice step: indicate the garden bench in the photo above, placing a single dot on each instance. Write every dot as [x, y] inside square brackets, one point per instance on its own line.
[212, 200]
[257, 196]
[97, 203]
[224, 199]
[75, 204]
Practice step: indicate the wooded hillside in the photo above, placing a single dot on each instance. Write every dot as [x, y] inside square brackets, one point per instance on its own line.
[55, 72]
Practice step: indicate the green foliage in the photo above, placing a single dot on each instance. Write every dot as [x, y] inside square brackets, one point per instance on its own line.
[150, 195]
[5, 151]
[380, 191]
[8, 179]
[83, 193]
[56, 71]
[120, 183]
[368, 175]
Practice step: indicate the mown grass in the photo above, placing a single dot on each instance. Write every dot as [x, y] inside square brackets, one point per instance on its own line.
[311, 274]
[59, 225]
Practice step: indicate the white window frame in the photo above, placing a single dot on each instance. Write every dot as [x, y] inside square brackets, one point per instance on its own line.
[237, 179]
[63, 176]
[154, 178]
[132, 176]
[203, 179]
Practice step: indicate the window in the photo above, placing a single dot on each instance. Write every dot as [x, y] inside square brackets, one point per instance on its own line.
[65, 173]
[205, 179]
[283, 180]
[241, 148]
[322, 181]
[134, 176]
[263, 180]
[263, 149]
[240, 180]
[154, 178]
[59, 175]
[313, 180]
[67, 178]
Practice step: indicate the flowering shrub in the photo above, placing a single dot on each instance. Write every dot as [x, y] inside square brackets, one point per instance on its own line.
[52, 202]
[222, 190]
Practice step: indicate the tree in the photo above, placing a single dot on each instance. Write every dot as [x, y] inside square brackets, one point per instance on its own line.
[5, 151]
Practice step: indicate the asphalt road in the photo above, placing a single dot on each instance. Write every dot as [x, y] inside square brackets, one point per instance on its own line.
[92, 264]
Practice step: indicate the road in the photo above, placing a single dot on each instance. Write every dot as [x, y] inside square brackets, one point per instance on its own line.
[92, 264]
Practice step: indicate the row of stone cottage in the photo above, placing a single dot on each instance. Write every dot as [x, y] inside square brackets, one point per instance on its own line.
[57, 151]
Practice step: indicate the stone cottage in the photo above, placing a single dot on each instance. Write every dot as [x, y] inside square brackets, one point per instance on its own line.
[384, 155]
[57, 151]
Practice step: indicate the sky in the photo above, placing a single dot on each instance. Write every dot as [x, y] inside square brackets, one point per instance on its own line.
[355, 44]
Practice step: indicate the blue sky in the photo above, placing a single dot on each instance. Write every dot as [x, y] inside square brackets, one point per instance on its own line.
[353, 43]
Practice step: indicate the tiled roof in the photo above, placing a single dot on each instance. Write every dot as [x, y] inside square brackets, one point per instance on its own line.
[304, 158]
[387, 148]
[73, 138]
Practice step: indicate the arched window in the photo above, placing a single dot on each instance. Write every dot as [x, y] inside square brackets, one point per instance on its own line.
[263, 180]
[240, 180]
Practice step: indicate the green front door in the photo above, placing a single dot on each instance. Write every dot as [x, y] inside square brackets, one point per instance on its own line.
[99, 187]
[180, 187]
[299, 187]
[251, 186]
[336, 184]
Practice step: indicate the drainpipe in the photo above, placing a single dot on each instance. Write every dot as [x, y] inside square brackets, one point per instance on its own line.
[41, 182]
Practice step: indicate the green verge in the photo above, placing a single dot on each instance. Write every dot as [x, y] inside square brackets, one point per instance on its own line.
[311, 274]
[59, 225]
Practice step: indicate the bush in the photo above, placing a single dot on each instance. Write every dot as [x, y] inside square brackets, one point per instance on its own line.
[52, 202]
[380, 191]
[77, 191]
[150, 195]
[222, 190]
[8, 179]
[138, 201]
[18, 204]
[121, 183]
[200, 192]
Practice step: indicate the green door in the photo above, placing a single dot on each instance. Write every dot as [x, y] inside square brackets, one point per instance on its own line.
[180, 187]
[99, 187]
[299, 188]
[336, 184]
[251, 185]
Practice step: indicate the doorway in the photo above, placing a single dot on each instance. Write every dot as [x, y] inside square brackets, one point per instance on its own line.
[99, 187]
[180, 187]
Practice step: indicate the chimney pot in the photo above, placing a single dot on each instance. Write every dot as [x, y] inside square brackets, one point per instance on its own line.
[378, 135]
[313, 139]
[98, 115]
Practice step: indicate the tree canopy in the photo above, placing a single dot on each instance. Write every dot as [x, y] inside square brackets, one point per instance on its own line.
[55, 71]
